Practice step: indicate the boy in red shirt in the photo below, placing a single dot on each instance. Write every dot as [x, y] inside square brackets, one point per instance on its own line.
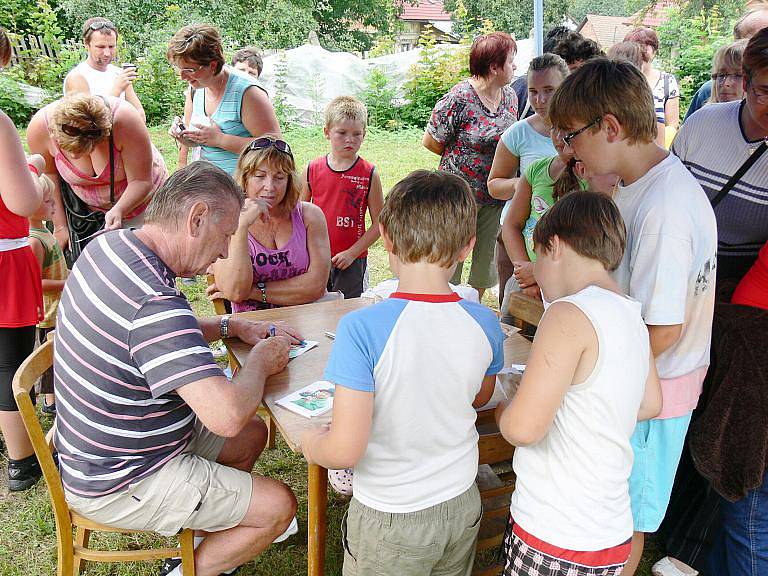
[344, 186]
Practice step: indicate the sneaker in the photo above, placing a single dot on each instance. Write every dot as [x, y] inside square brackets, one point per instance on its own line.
[23, 474]
[169, 565]
[49, 409]
[668, 566]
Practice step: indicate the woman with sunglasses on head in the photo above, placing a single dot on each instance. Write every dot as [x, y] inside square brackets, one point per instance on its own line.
[280, 254]
[21, 301]
[74, 135]
[224, 109]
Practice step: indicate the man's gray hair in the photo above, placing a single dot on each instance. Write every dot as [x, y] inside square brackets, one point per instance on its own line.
[196, 182]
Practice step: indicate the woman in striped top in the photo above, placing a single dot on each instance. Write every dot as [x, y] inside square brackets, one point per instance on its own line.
[222, 112]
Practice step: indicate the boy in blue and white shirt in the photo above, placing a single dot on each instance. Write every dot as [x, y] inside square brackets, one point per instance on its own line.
[409, 373]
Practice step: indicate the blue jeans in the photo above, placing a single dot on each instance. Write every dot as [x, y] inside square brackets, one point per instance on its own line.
[741, 547]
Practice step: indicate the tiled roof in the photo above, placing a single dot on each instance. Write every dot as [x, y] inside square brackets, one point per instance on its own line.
[425, 10]
[654, 17]
[605, 30]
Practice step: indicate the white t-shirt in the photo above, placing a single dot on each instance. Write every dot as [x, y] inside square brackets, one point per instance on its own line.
[669, 264]
[99, 83]
[572, 488]
[423, 357]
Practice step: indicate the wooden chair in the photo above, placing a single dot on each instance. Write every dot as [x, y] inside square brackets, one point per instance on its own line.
[495, 490]
[73, 553]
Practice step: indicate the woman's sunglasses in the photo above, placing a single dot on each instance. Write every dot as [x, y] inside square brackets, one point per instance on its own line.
[261, 143]
[75, 132]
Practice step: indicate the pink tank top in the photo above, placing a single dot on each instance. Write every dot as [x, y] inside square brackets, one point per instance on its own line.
[279, 264]
[94, 190]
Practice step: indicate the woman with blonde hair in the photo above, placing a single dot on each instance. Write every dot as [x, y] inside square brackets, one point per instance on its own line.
[280, 254]
[100, 149]
[727, 74]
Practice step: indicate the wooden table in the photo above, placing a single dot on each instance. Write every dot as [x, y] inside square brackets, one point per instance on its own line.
[312, 320]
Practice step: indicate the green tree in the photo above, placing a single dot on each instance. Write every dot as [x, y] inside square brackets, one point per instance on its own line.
[513, 16]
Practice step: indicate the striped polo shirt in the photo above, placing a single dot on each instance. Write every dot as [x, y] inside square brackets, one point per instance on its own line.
[712, 146]
[126, 340]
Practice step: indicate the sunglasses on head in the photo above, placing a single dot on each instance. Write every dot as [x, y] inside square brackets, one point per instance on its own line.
[261, 143]
[75, 132]
[101, 25]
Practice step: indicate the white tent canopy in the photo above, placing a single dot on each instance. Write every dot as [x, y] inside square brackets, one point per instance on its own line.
[314, 76]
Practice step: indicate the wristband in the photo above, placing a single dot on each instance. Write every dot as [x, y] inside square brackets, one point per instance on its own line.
[224, 326]
[263, 287]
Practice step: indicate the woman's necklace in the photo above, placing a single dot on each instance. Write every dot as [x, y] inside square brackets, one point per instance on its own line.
[491, 103]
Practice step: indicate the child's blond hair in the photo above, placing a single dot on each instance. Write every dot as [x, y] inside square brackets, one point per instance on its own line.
[429, 216]
[344, 108]
[46, 185]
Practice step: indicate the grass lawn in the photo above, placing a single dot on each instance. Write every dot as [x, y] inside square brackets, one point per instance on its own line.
[27, 537]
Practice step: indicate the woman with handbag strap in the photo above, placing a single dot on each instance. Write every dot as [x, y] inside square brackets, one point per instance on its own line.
[21, 301]
[74, 135]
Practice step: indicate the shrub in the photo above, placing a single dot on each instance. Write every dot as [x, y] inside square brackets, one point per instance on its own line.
[379, 98]
[12, 101]
[435, 74]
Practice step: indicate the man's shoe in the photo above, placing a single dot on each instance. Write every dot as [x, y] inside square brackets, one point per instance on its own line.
[169, 566]
[23, 474]
[49, 409]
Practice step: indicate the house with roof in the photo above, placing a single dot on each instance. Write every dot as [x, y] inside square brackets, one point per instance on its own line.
[423, 15]
[610, 30]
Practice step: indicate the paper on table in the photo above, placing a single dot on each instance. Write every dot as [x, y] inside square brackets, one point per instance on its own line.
[513, 369]
[310, 401]
[298, 350]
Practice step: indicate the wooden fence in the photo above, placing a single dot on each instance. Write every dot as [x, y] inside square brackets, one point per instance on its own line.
[24, 48]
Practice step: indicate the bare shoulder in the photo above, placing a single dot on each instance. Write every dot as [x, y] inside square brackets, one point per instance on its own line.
[311, 213]
[567, 320]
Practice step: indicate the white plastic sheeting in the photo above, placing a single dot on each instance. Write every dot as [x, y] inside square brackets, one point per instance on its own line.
[314, 76]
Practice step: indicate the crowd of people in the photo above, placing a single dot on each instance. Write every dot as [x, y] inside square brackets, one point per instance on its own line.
[559, 184]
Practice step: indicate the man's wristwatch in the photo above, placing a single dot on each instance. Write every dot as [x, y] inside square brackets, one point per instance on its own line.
[224, 326]
[263, 287]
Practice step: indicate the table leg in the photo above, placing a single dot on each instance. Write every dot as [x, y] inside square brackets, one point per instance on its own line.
[318, 518]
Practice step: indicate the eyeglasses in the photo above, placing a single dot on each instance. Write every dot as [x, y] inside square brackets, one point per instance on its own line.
[75, 132]
[568, 138]
[264, 142]
[761, 97]
[721, 77]
[189, 71]
[101, 26]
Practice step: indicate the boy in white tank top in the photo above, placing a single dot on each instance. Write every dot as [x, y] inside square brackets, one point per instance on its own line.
[590, 377]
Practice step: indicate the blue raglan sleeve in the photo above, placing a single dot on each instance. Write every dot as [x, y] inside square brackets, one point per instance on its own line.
[351, 362]
[492, 329]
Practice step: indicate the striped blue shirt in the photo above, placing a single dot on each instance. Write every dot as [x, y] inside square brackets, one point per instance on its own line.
[227, 116]
[126, 340]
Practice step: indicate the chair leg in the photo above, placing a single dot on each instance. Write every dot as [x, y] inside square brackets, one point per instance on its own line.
[82, 537]
[272, 432]
[187, 544]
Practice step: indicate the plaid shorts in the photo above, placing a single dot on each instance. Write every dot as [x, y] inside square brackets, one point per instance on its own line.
[521, 558]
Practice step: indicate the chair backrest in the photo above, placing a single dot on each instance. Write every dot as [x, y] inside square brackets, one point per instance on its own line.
[218, 303]
[23, 381]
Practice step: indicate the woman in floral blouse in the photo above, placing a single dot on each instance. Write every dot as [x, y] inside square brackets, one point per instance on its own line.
[465, 127]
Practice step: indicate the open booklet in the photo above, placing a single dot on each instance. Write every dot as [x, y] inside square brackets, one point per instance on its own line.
[310, 401]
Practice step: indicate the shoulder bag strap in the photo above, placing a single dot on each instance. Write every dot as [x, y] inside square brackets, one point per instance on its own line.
[111, 154]
[739, 173]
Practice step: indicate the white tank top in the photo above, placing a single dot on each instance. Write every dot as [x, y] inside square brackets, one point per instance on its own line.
[99, 83]
[572, 488]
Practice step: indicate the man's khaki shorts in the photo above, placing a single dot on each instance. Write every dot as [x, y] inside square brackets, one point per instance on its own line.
[191, 491]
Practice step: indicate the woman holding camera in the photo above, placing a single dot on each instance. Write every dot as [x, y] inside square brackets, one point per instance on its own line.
[224, 110]
[100, 147]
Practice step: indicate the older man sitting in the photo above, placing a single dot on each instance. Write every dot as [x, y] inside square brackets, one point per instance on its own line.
[150, 433]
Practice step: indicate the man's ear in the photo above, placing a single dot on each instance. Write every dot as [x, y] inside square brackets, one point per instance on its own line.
[388, 246]
[464, 252]
[196, 218]
[612, 127]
